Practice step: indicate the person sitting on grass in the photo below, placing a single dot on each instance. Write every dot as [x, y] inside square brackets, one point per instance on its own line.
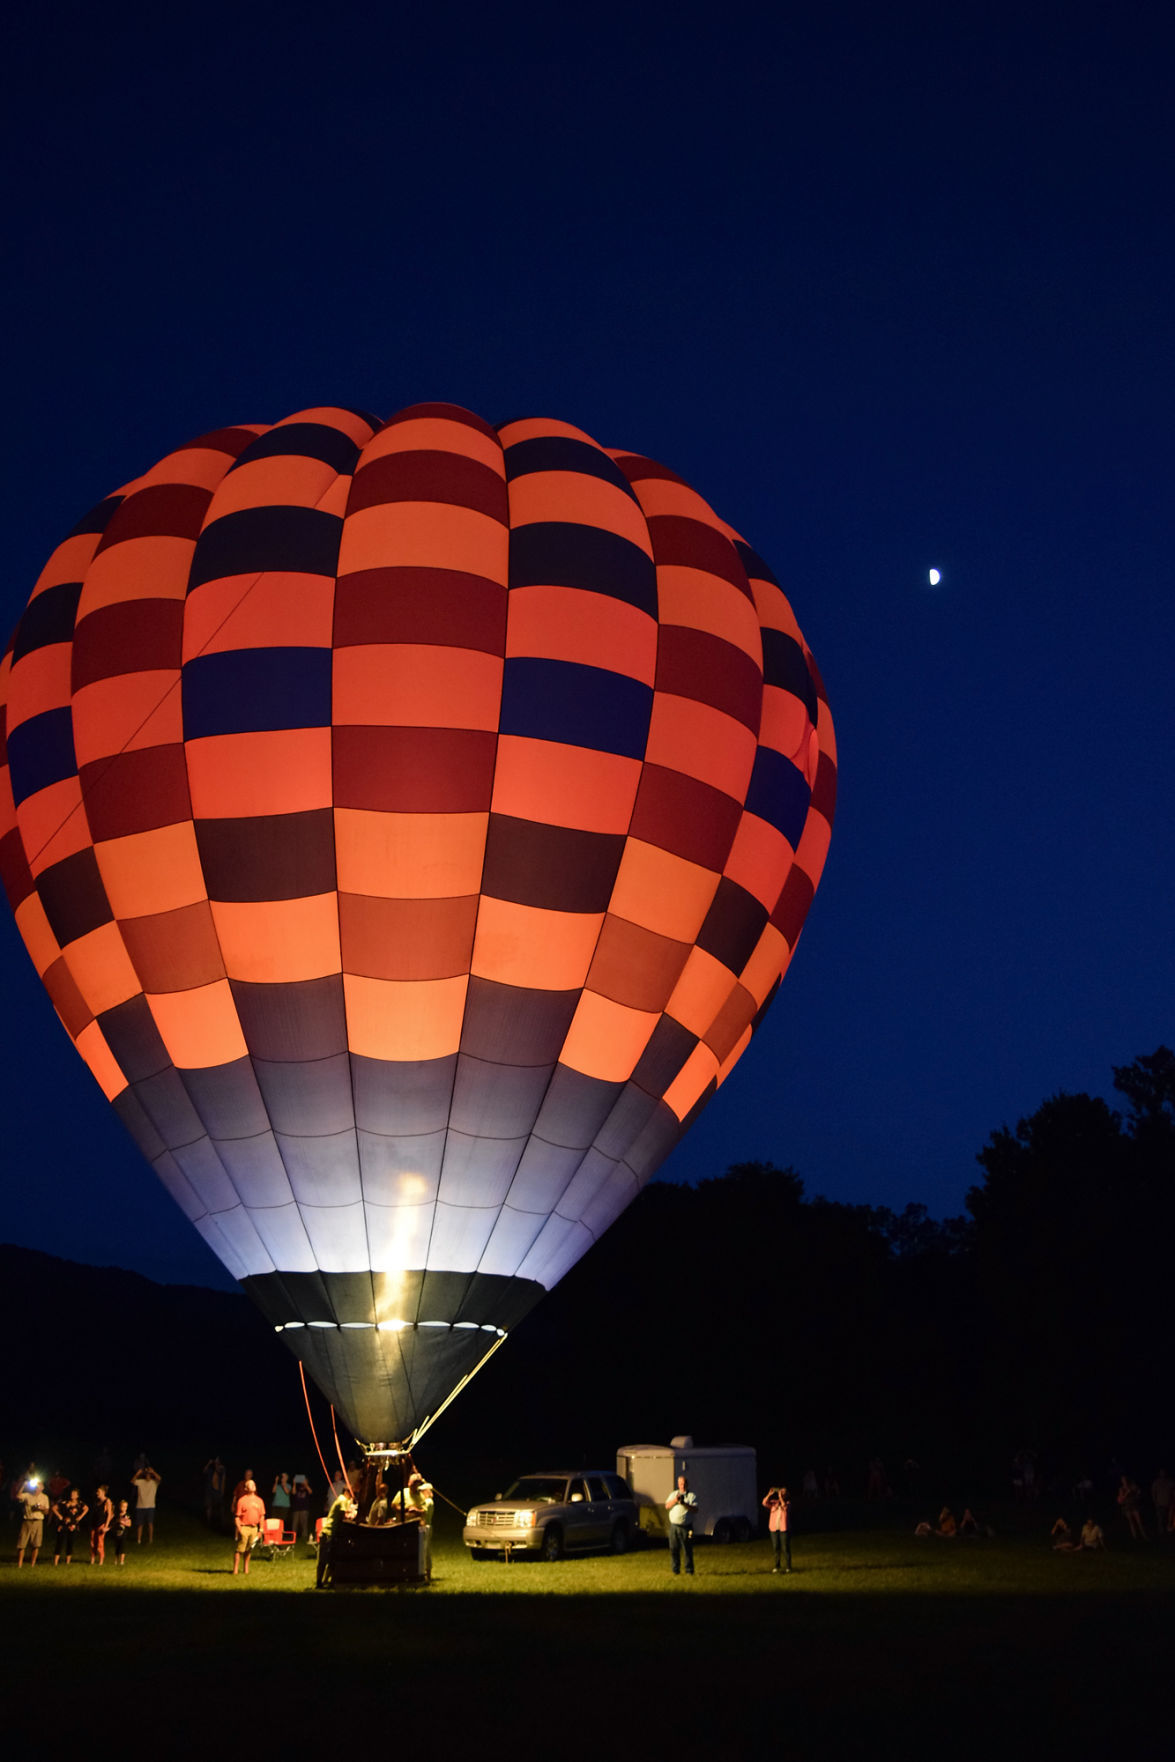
[947, 1527]
[1062, 1537]
[1091, 1535]
[967, 1523]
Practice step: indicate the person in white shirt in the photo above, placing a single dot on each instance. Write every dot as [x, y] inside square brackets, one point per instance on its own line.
[681, 1505]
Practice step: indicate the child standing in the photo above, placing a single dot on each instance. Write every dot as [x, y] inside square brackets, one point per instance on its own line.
[121, 1527]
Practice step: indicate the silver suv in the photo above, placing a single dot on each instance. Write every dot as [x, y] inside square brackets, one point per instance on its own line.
[548, 1514]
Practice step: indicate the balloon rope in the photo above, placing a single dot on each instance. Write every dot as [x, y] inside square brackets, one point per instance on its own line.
[452, 1396]
[339, 1448]
[461, 1512]
[310, 1417]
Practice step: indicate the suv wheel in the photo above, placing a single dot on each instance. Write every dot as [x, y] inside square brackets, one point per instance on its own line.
[620, 1539]
[552, 1542]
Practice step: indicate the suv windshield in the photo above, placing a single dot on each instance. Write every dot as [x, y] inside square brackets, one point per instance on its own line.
[543, 1489]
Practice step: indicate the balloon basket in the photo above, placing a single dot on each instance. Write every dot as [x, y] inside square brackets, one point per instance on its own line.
[397, 1552]
[386, 1554]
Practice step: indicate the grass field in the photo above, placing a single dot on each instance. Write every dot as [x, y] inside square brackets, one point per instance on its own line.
[877, 1643]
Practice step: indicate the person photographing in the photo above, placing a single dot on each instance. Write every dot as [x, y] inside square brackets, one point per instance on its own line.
[777, 1506]
[681, 1505]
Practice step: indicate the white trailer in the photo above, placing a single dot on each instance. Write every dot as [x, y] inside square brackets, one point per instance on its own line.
[723, 1476]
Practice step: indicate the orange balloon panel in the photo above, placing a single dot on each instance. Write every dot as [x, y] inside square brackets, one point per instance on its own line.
[410, 822]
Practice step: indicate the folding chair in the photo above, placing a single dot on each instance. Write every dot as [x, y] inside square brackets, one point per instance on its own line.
[275, 1539]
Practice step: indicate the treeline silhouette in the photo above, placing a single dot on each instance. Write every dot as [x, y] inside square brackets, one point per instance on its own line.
[824, 1333]
[738, 1310]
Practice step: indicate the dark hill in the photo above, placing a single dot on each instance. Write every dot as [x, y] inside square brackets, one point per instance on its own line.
[99, 1355]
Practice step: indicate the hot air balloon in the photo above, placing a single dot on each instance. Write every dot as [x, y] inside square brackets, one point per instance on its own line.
[410, 822]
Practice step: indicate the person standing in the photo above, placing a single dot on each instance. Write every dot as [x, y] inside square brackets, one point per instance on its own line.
[777, 1507]
[1162, 1490]
[144, 1481]
[68, 1514]
[101, 1516]
[344, 1510]
[34, 1505]
[416, 1501]
[300, 1496]
[249, 1515]
[215, 1485]
[121, 1525]
[681, 1505]
[1130, 1503]
[238, 1490]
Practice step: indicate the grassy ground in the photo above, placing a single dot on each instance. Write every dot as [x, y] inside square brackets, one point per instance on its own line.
[876, 1643]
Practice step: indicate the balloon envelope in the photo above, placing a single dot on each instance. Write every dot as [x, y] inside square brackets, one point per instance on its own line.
[410, 822]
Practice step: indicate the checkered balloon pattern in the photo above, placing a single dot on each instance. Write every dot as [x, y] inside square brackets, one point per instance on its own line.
[410, 822]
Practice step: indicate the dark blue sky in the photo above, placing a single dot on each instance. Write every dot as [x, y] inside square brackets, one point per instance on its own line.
[890, 286]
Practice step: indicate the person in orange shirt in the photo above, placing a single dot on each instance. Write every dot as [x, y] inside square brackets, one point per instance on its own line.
[777, 1506]
[249, 1515]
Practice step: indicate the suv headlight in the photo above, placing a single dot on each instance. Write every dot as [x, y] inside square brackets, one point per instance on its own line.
[526, 1519]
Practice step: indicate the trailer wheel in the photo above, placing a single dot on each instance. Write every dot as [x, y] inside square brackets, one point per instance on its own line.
[722, 1530]
[742, 1530]
[552, 1542]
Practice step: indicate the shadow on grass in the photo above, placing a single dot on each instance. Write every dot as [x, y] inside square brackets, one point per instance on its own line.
[567, 1675]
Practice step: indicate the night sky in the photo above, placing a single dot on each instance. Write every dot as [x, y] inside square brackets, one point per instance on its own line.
[890, 286]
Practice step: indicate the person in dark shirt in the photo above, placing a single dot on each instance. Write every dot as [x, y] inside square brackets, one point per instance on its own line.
[301, 1494]
[120, 1528]
[68, 1515]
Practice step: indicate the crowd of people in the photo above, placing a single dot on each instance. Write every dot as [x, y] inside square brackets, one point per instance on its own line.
[291, 1498]
[88, 1520]
[91, 1519]
[82, 1522]
[1066, 1536]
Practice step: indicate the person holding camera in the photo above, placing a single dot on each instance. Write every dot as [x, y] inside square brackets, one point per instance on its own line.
[681, 1505]
[34, 1504]
[776, 1504]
